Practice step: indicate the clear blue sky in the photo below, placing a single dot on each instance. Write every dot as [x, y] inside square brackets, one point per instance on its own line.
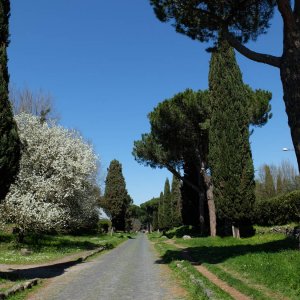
[108, 64]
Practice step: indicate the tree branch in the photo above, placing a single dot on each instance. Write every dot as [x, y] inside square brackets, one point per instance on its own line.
[177, 174]
[286, 12]
[255, 56]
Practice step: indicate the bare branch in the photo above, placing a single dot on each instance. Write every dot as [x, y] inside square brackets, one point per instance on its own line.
[255, 56]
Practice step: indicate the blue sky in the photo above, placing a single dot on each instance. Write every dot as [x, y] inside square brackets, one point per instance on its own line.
[108, 64]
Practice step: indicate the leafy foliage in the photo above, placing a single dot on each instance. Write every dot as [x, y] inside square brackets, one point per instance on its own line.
[279, 210]
[10, 146]
[149, 213]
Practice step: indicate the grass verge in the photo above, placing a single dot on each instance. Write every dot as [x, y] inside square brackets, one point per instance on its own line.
[48, 247]
[45, 248]
[263, 267]
[197, 286]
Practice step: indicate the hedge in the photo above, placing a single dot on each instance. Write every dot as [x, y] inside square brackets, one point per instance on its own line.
[279, 210]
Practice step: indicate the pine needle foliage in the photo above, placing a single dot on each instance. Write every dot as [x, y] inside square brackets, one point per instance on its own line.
[9, 139]
[229, 148]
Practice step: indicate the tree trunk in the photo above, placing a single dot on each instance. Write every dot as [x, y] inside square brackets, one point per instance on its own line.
[210, 201]
[201, 197]
[211, 209]
[290, 77]
[236, 232]
[20, 236]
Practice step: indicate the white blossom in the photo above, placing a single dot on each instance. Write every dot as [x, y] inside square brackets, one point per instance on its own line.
[55, 187]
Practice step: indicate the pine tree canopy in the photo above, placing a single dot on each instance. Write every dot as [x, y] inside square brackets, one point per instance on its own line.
[239, 21]
[203, 20]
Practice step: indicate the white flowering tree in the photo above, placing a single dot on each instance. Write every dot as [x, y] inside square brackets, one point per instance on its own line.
[56, 186]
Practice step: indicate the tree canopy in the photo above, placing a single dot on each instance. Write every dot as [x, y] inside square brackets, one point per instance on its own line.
[238, 21]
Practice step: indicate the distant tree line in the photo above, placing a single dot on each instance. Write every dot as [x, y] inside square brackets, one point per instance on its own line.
[276, 180]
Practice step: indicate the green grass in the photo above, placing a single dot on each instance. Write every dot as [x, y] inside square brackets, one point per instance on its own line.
[46, 248]
[271, 260]
[197, 286]
[6, 283]
[23, 295]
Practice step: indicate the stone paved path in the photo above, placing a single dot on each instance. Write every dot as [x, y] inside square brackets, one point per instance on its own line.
[127, 272]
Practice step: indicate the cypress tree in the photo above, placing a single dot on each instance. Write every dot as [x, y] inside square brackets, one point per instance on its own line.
[9, 139]
[229, 148]
[269, 186]
[116, 198]
[176, 202]
[161, 211]
[279, 184]
[168, 211]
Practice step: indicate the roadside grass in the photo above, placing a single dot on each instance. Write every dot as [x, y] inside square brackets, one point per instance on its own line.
[263, 266]
[24, 294]
[6, 283]
[46, 248]
[197, 286]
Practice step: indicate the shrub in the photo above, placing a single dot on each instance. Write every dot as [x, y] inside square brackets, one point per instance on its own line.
[104, 225]
[279, 210]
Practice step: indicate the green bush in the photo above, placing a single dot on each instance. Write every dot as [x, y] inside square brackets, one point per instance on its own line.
[104, 225]
[279, 210]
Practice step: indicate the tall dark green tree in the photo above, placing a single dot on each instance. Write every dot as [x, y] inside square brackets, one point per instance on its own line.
[179, 142]
[269, 184]
[279, 184]
[161, 211]
[168, 209]
[149, 216]
[240, 21]
[178, 138]
[9, 139]
[230, 155]
[176, 202]
[116, 199]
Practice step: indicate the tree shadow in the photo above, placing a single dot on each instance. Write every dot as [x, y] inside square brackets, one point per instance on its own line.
[39, 271]
[218, 254]
[47, 271]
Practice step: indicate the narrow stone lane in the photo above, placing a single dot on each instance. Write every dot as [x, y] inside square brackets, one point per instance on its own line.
[127, 272]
